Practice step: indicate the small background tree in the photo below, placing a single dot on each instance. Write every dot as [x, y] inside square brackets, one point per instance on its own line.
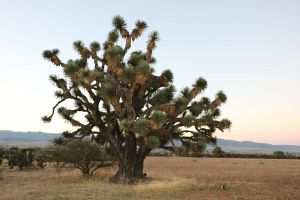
[197, 149]
[2, 153]
[41, 156]
[81, 154]
[218, 152]
[22, 158]
[279, 154]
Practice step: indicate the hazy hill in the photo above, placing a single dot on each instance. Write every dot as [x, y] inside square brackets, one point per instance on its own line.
[254, 147]
[25, 139]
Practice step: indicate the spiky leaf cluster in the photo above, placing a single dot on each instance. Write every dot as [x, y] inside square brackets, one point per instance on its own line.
[153, 142]
[141, 126]
[163, 96]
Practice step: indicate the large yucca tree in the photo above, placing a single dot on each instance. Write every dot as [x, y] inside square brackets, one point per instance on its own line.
[126, 105]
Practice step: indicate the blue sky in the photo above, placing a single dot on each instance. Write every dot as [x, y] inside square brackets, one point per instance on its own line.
[250, 49]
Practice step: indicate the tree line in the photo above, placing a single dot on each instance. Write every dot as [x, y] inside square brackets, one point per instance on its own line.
[217, 152]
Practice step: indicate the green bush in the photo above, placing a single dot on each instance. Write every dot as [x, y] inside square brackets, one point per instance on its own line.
[21, 158]
[218, 152]
[80, 154]
[41, 156]
[2, 152]
[197, 149]
[279, 154]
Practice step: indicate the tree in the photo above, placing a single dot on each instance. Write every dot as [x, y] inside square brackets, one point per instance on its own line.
[126, 105]
[2, 152]
[81, 154]
[22, 158]
[41, 156]
[197, 149]
[218, 152]
[181, 151]
[190, 148]
[279, 154]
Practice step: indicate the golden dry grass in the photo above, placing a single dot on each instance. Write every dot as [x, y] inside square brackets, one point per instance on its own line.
[172, 178]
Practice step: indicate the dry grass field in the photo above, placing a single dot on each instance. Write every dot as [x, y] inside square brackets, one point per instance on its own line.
[171, 178]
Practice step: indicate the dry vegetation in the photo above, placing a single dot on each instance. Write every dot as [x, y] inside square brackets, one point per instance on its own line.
[172, 178]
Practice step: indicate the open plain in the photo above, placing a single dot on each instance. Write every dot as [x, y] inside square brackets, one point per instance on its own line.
[170, 178]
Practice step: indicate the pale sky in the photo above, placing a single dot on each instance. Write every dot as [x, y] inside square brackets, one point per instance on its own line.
[250, 49]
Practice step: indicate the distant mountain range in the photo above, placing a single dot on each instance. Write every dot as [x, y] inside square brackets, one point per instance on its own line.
[254, 147]
[31, 139]
[26, 139]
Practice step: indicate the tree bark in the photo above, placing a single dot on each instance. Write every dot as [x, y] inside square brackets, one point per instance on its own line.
[129, 175]
[132, 169]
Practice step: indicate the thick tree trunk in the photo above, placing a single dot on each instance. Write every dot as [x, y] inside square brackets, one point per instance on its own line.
[130, 154]
[130, 174]
[132, 167]
[139, 169]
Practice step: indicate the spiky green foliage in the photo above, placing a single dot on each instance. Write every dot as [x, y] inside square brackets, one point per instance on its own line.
[65, 113]
[114, 54]
[168, 75]
[47, 54]
[52, 55]
[154, 36]
[71, 68]
[216, 113]
[46, 119]
[226, 123]
[206, 101]
[113, 36]
[153, 142]
[126, 105]
[159, 117]
[78, 45]
[129, 74]
[221, 96]
[181, 104]
[144, 68]
[186, 92]
[141, 24]
[188, 120]
[163, 96]
[141, 126]
[135, 58]
[119, 22]
[200, 83]
[81, 63]
[196, 108]
[95, 46]
[140, 27]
